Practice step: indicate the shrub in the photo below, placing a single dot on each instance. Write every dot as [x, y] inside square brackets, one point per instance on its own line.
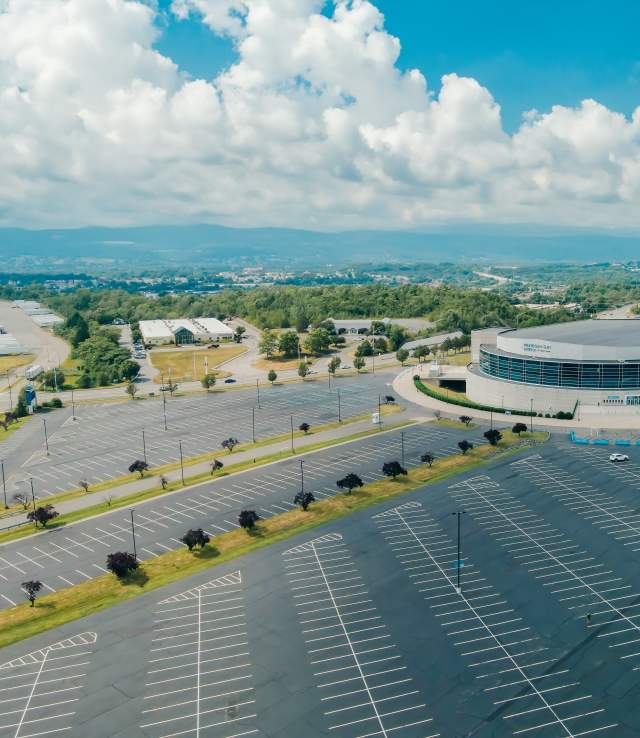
[122, 563]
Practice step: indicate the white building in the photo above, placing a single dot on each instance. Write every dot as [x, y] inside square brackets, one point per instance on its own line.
[593, 363]
[184, 331]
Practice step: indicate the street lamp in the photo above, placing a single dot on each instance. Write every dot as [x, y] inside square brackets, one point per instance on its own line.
[253, 424]
[402, 446]
[459, 514]
[339, 408]
[292, 449]
[301, 475]
[46, 439]
[144, 448]
[258, 391]
[181, 462]
[531, 417]
[133, 533]
[73, 406]
[33, 495]
[4, 487]
[164, 409]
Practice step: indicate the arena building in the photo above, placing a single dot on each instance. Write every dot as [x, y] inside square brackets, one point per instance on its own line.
[552, 368]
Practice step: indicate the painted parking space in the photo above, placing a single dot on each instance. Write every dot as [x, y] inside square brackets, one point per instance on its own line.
[41, 690]
[517, 671]
[104, 439]
[199, 678]
[600, 508]
[586, 586]
[66, 556]
[365, 686]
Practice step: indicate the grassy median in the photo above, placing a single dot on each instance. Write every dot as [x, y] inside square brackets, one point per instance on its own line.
[97, 594]
[157, 471]
[108, 504]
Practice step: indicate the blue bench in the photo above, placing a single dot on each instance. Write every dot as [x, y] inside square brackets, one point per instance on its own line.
[600, 442]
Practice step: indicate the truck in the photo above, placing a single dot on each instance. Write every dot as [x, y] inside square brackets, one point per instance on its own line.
[33, 371]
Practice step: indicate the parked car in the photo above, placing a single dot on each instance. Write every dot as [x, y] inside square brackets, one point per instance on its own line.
[618, 457]
[229, 380]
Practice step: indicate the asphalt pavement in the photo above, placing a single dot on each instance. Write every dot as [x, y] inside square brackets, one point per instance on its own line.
[104, 439]
[67, 555]
[360, 630]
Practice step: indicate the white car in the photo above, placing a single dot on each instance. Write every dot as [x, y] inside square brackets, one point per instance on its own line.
[618, 457]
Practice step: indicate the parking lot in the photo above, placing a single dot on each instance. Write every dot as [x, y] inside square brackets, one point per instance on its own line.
[105, 439]
[71, 554]
[359, 629]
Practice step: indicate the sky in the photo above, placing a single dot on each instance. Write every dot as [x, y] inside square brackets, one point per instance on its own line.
[323, 115]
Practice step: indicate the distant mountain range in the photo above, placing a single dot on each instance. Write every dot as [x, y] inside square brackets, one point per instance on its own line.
[212, 245]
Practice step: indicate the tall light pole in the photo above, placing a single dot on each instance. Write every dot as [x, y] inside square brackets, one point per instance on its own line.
[531, 417]
[33, 494]
[253, 424]
[402, 446]
[292, 449]
[258, 391]
[133, 533]
[46, 439]
[164, 409]
[339, 408]
[144, 447]
[9, 386]
[181, 462]
[73, 406]
[4, 487]
[459, 514]
[301, 475]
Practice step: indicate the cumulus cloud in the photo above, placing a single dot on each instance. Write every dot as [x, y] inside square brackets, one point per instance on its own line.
[314, 125]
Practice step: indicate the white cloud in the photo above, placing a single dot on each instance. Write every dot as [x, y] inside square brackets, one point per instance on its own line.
[313, 126]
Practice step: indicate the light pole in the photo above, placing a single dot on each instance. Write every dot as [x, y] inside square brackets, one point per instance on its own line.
[144, 447]
[301, 475]
[402, 446]
[46, 440]
[33, 495]
[258, 391]
[253, 424]
[164, 409]
[181, 462]
[459, 514]
[379, 413]
[133, 533]
[292, 449]
[55, 379]
[73, 406]
[531, 417]
[4, 487]
[339, 408]
[9, 386]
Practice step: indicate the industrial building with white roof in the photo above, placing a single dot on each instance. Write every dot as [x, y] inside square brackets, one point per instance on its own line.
[181, 331]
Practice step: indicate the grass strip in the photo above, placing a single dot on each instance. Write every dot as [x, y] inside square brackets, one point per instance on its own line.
[136, 497]
[92, 596]
[192, 460]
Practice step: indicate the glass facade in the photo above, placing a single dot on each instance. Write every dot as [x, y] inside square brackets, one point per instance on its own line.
[585, 375]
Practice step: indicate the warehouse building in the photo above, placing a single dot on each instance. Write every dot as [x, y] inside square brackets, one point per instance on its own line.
[552, 368]
[184, 331]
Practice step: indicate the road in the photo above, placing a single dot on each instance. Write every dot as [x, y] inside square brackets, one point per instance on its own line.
[105, 439]
[48, 350]
[358, 630]
[68, 555]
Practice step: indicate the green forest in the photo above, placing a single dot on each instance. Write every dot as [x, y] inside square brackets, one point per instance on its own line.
[451, 307]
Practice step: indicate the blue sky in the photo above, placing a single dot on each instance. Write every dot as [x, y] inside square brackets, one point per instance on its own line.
[529, 55]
